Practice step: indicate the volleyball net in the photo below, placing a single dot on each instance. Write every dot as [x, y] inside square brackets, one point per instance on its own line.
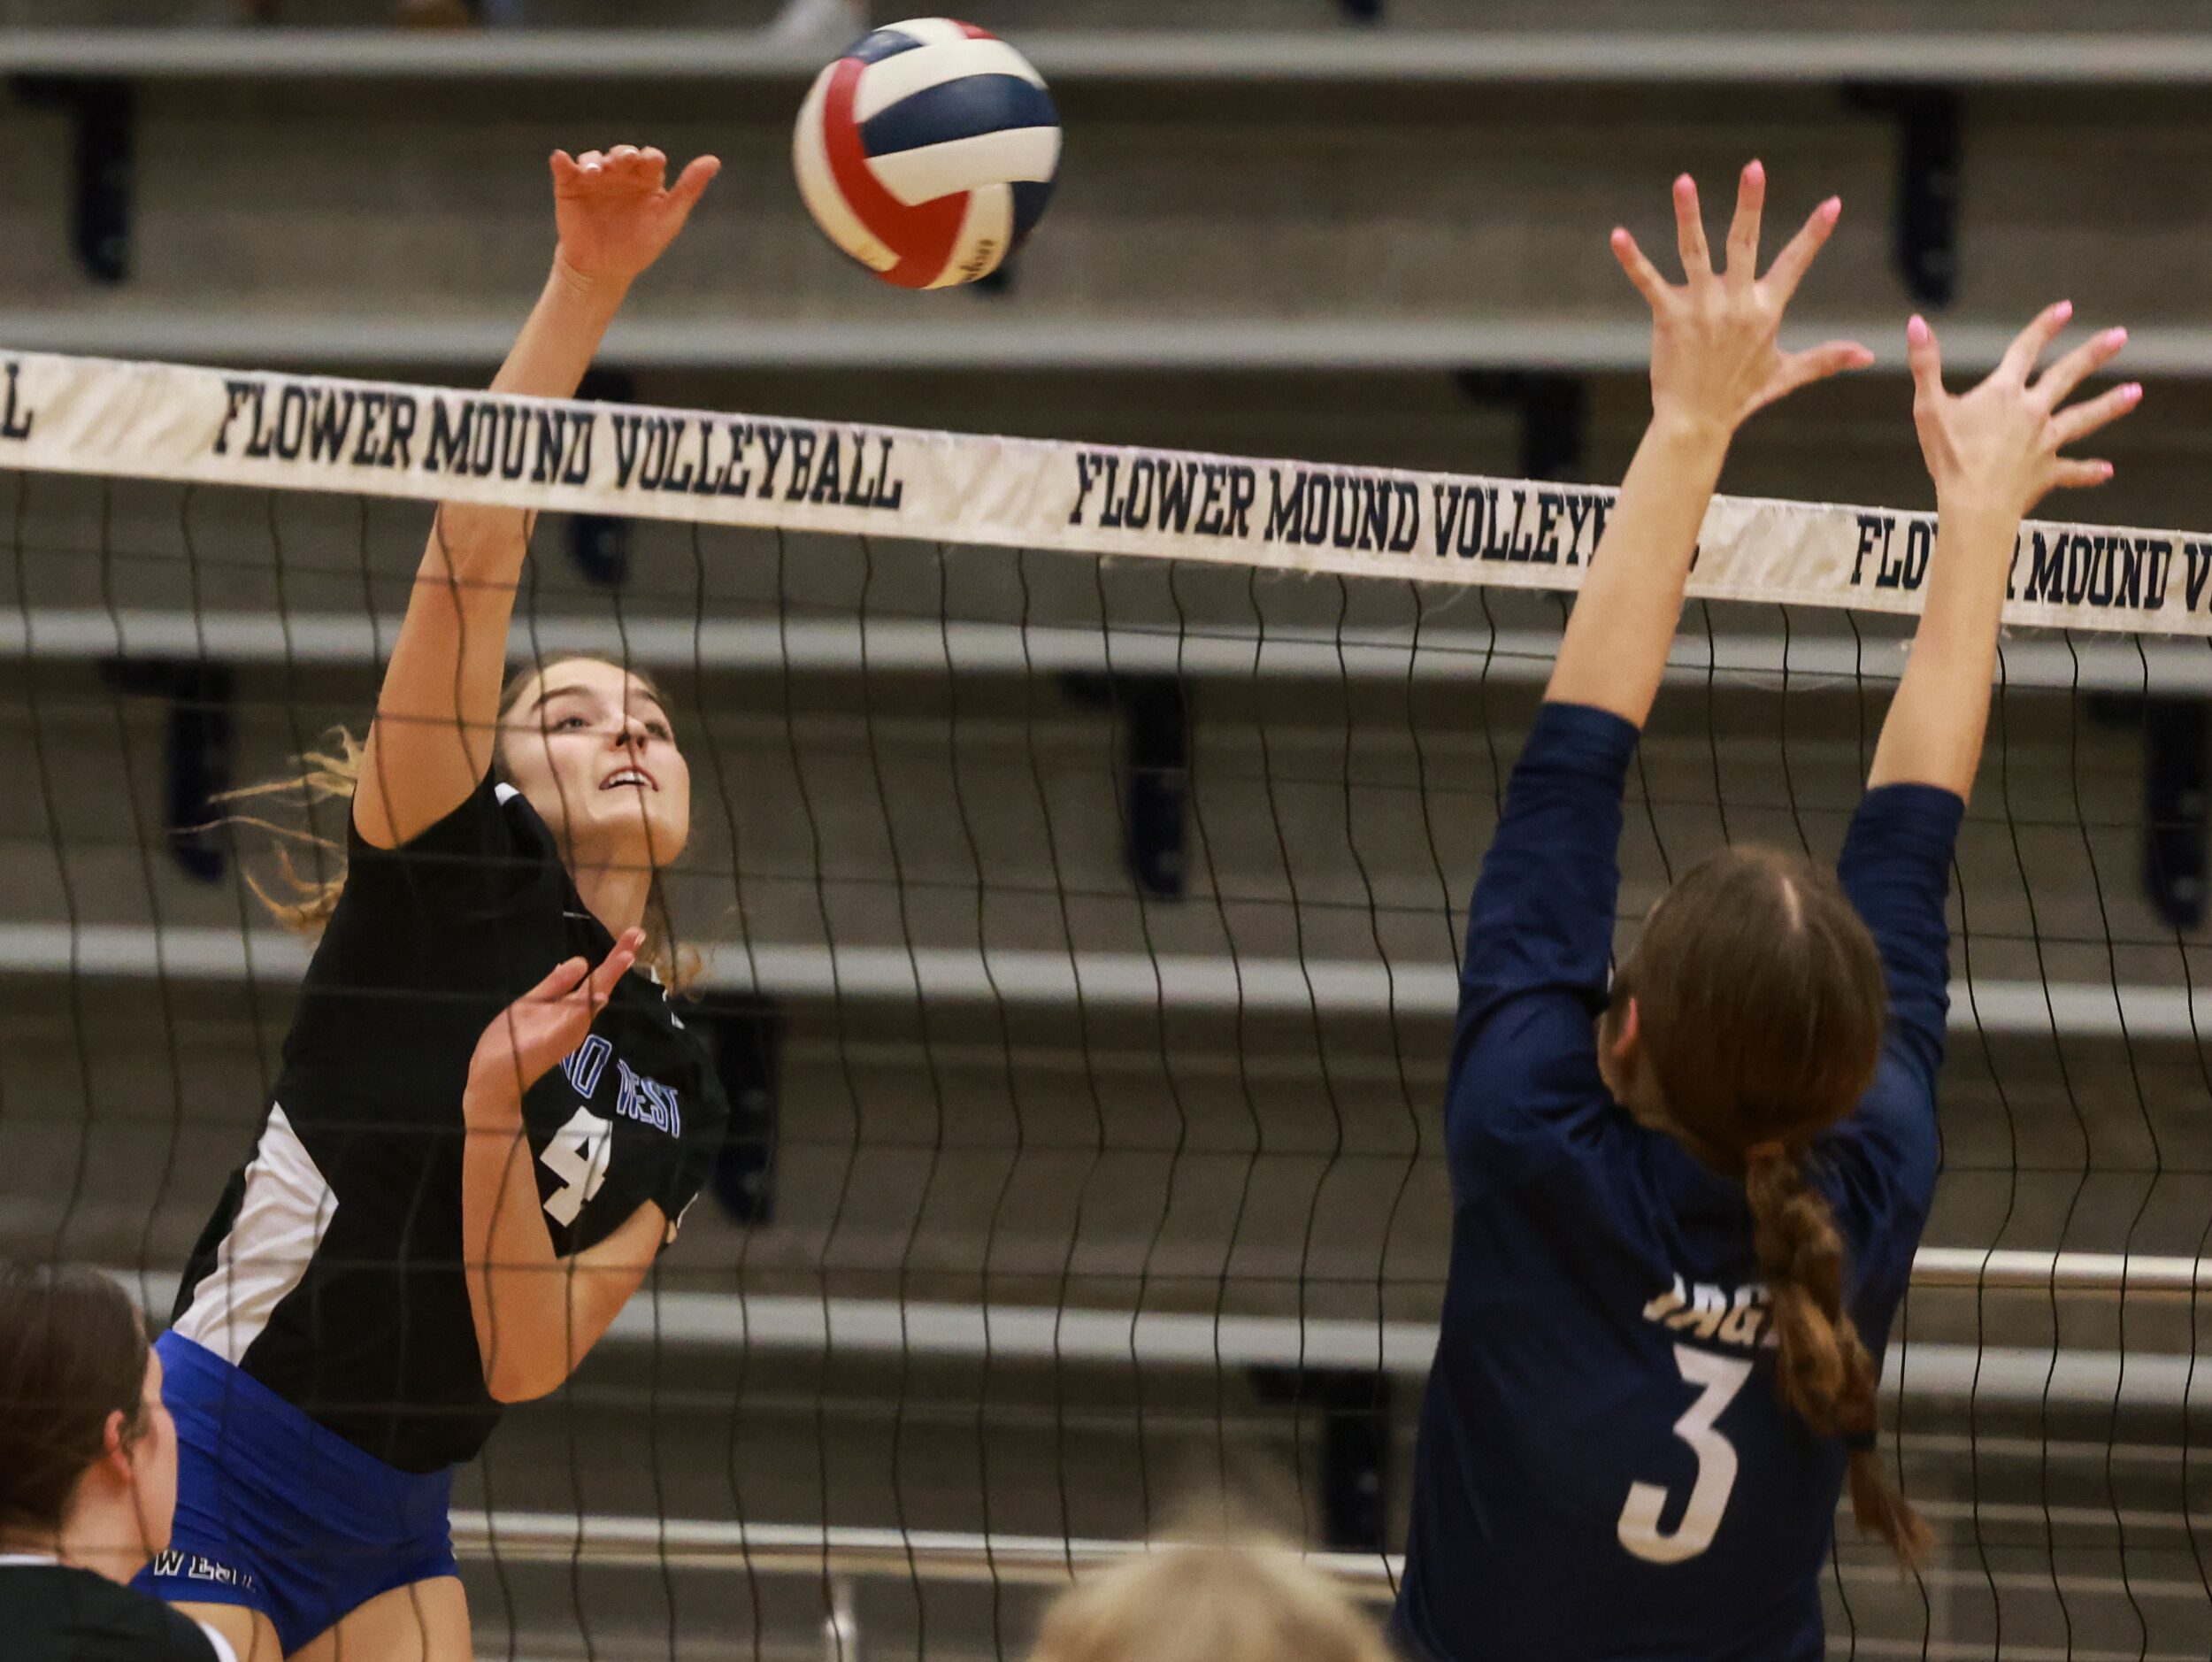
[1081, 835]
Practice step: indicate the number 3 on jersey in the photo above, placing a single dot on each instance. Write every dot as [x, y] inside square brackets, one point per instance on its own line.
[578, 1156]
[1721, 1377]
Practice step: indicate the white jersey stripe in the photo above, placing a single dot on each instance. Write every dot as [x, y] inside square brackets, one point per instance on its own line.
[281, 1224]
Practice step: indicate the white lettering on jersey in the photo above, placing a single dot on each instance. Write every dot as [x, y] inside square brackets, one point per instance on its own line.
[647, 1101]
[1734, 1316]
[1719, 1379]
[578, 1155]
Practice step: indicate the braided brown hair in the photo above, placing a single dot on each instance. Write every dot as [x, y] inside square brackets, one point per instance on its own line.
[1761, 1008]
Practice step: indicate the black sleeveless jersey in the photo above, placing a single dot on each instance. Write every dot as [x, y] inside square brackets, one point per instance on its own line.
[52, 1612]
[331, 1271]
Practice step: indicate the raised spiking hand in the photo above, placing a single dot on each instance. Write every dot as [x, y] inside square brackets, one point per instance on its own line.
[615, 212]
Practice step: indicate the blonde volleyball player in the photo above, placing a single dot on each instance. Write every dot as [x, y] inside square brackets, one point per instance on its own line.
[436, 1220]
[1686, 1203]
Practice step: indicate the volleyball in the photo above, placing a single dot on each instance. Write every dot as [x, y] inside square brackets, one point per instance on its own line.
[926, 153]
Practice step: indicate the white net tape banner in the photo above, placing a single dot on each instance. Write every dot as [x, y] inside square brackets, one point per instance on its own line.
[169, 421]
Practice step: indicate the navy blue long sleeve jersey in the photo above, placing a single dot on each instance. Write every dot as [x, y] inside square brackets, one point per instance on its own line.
[1603, 1470]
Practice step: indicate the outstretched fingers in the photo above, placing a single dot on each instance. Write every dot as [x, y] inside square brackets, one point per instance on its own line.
[566, 977]
[1743, 230]
[1689, 230]
[616, 964]
[1798, 254]
[2079, 420]
[692, 183]
[1829, 358]
[1641, 272]
[1925, 358]
[2072, 475]
[1801, 369]
[2057, 383]
[2032, 343]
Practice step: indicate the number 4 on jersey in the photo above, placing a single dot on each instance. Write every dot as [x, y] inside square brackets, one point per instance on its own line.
[578, 1155]
[1721, 1377]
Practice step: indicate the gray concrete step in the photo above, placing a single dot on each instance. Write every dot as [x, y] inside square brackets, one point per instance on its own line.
[1327, 824]
[1014, 16]
[1292, 1175]
[1413, 208]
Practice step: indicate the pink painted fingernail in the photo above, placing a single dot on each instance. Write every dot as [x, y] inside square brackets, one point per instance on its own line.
[1832, 208]
[2131, 391]
[2065, 309]
[2118, 337]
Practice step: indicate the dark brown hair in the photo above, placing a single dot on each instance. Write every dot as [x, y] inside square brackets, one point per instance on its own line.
[73, 1351]
[1760, 1008]
[333, 775]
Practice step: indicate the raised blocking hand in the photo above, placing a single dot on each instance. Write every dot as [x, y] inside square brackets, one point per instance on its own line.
[1997, 447]
[1715, 353]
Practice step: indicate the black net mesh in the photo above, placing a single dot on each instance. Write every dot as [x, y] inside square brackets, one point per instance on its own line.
[1081, 939]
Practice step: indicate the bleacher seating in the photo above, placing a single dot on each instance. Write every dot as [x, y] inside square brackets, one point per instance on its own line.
[1279, 269]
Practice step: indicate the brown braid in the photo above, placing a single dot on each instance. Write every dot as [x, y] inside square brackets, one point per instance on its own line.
[1760, 1006]
[1822, 1370]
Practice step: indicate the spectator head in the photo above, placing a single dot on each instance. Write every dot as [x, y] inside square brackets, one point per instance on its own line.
[1241, 1598]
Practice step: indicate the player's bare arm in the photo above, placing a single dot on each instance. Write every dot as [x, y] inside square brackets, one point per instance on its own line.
[537, 1313]
[1994, 454]
[433, 735]
[1715, 359]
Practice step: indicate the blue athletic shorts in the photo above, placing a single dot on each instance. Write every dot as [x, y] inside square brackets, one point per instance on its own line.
[283, 1515]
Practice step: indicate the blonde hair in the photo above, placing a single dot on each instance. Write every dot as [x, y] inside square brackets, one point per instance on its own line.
[1239, 1597]
[333, 775]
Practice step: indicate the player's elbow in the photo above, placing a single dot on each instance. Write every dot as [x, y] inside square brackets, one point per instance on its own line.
[518, 1379]
[525, 1358]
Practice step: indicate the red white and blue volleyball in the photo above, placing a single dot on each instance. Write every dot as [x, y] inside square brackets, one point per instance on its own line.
[926, 153]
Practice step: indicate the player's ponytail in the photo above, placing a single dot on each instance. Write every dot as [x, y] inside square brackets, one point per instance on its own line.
[1823, 1371]
[304, 899]
[1760, 1009]
[72, 1355]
